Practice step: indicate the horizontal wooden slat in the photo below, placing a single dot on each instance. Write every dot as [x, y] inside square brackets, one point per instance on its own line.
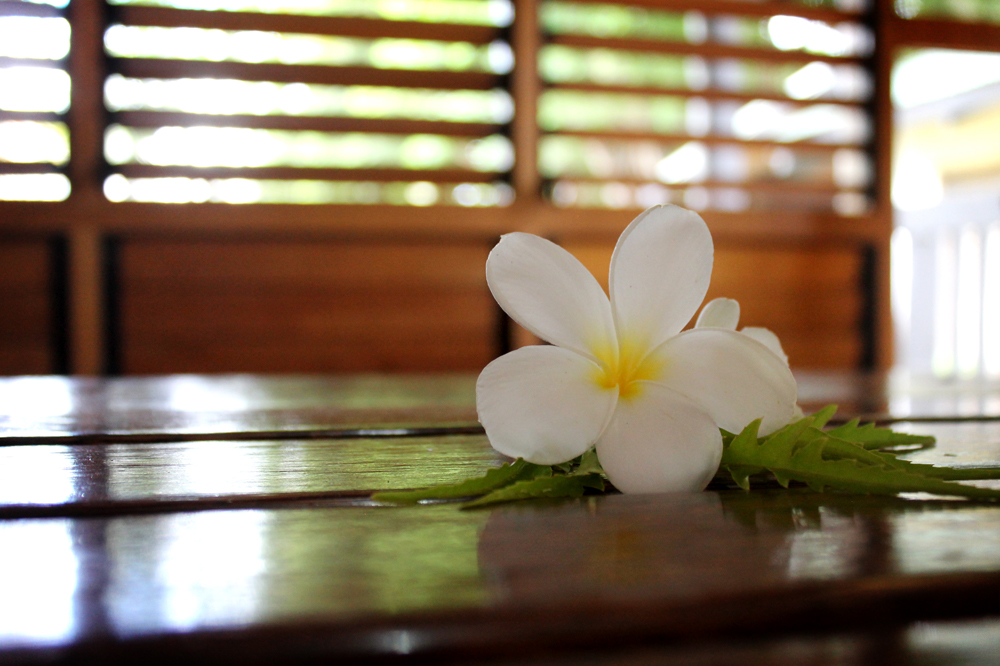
[276, 405]
[761, 9]
[15, 8]
[316, 123]
[29, 167]
[303, 24]
[709, 139]
[304, 173]
[708, 94]
[61, 479]
[706, 50]
[367, 76]
[35, 116]
[945, 34]
[750, 185]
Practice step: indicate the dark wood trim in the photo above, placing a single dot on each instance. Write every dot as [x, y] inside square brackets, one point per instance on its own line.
[316, 123]
[303, 24]
[30, 167]
[59, 304]
[705, 50]
[763, 9]
[943, 33]
[708, 93]
[804, 145]
[307, 173]
[319, 74]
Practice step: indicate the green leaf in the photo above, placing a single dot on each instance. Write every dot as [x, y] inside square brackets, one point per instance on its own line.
[554, 486]
[802, 452]
[872, 437]
[589, 464]
[823, 416]
[504, 475]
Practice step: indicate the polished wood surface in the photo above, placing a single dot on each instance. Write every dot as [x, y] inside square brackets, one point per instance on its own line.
[122, 541]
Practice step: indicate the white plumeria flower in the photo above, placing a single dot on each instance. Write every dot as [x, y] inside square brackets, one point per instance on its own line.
[621, 375]
[725, 313]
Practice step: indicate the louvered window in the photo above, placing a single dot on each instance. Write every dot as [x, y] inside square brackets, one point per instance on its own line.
[730, 106]
[303, 102]
[34, 98]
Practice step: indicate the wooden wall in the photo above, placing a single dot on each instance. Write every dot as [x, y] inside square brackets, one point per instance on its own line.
[265, 305]
[30, 303]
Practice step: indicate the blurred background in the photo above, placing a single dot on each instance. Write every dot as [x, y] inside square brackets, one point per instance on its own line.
[314, 185]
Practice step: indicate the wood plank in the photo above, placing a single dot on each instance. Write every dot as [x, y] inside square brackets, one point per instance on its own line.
[307, 173]
[706, 49]
[942, 33]
[299, 307]
[29, 167]
[312, 24]
[321, 74]
[806, 145]
[26, 299]
[60, 406]
[758, 8]
[709, 93]
[54, 480]
[317, 123]
[438, 583]
[34, 116]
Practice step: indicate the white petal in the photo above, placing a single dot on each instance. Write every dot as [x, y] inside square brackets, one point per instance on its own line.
[660, 271]
[719, 313]
[541, 403]
[548, 291]
[766, 338]
[659, 441]
[731, 376]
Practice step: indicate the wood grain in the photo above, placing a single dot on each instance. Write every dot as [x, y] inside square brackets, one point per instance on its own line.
[26, 300]
[435, 581]
[276, 307]
[117, 478]
[189, 404]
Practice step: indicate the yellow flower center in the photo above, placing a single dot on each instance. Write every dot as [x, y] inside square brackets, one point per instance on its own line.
[625, 369]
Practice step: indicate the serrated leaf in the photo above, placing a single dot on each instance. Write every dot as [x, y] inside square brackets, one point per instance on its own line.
[555, 486]
[493, 479]
[823, 416]
[803, 453]
[872, 437]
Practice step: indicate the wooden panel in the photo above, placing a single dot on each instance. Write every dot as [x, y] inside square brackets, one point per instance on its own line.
[304, 24]
[293, 306]
[52, 480]
[318, 123]
[322, 74]
[26, 336]
[156, 409]
[809, 296]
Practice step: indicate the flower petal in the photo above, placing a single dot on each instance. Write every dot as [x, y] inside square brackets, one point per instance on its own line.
[660, 271]
[767, 338]
[719, 313]
[659, 441]
[548, 291]
[542, 404]
[731, 376]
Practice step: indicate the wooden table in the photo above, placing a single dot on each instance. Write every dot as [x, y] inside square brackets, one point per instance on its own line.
[224, 519]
